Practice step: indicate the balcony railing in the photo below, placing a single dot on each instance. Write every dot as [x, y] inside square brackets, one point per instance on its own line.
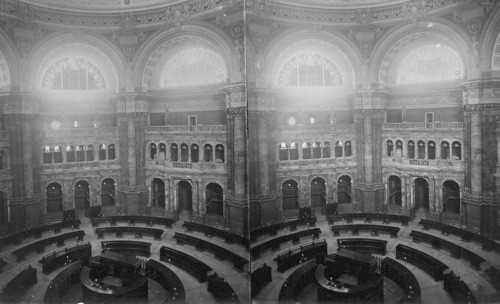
[76, 132]
[188, 129]
[318, 127]
[317, 161]
[424, 125]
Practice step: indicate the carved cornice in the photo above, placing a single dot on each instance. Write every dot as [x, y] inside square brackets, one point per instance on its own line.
[131, 103]
[369, 187]
[329, 13]
[474, 109]
[168, 14]
[426, 98]
[240, 111]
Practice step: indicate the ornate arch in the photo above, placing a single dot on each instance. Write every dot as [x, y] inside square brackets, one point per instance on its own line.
[105, 56]
[333, 46]
[9, 69]
[393, 47]
[489, 38]
[163, 44]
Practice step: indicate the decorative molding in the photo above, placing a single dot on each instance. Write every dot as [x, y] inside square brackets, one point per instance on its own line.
[426, 98]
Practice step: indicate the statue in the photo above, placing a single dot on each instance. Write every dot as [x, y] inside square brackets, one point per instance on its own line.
[167, 116]
[403, 114]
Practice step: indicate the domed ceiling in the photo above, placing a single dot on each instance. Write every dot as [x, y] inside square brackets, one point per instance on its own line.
[339, 4]
[103, 5]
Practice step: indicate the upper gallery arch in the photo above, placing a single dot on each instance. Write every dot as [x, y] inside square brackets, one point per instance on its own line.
[321, 61]
[86, 66]
[197, 55]
[432, 52]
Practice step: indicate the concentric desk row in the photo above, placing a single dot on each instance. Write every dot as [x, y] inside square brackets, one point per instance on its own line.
[273, 229]
[39, 246]
[375, 229]
[138, 231]
[368, 217]
[220, 252]
[306, 252]
[465, 235]
[457, 251]
[227, 235]
[57, 259]
[276, 242]
[132, 219]
[36, 232]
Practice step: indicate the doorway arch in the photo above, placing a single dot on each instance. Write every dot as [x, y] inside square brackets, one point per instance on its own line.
[184, 196]
[344, 189]
[214, 199]
[54, 197]
[394, 190]
[158, 195]
[451, 197]
[82, 197]
[4, 211]
[421, 193]
[108, 192]
[290, 194]
[318, 192]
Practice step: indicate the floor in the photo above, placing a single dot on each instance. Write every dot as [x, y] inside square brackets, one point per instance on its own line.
[195, 292]
[432, 291]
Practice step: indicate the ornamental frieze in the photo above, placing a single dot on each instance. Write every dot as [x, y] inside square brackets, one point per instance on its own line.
[190, 104]
[410, 12]
[446, 97]
[171, 15]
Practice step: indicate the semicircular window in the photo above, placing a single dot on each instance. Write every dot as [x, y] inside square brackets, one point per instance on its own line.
[193, 66]
[72, 73]
[429, 63]
[309, 70]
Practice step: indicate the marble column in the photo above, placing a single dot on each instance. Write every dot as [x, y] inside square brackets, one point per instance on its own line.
[475, 154]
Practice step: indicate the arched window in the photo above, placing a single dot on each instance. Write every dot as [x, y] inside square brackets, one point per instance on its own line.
[318, 192]
[57, 154]
[162, 154]
[451, 197]
[326, 149]
[184, 153]
[108, 192]
[195, 153]
[338, 149]
[421, 150]
[158, 189]
[174, 153]
[214, 199]
[411, 149]
[80, 153]
[431, 150]
[344, 189]
[445, 150]
[394, 190]
[111, 151]
[152, 150]
[316, 150]
[283, 151]
[90, 153]
[456, 151]
[73, 73]
[70, 154]
[294, 151]
[82, 195]
[4, 212]
[290, 195]
[102, 152]
[306, 150]
[47, 155]
[399, 148]
[347, 149]
[495, 57]
[208, 154]
[193, 66]
[54, 197]
[219, 154]
[3, 160]
[389, 147]
[309, 70]
[431, 62]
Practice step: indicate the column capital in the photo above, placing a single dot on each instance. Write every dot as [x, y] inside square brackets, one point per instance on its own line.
[480, 92]
[369, 100]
